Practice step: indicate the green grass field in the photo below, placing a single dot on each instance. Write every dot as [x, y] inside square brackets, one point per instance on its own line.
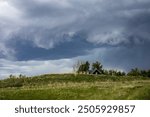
[79, 87]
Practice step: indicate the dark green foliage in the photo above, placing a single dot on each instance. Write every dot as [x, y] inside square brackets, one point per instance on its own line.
[138, 72]
[97, 65]
[114, 73]
[105, 72]
[87, 66]
[148, 73]
[144, 73]
[13, 81]
[134, 72]
[119, 73]
[84, 67]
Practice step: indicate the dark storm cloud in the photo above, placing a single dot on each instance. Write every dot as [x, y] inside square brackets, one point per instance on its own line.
[127, 57]
[139, 26]
[105, 22]
[117, 31]
[26, 50]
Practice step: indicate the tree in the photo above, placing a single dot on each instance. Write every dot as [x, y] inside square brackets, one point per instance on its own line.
[76, 66]
[119, 73]
[106, 72]
[148, 73]
[97, 65]
[87, 66]
[134, 72]
[112, 72]
[144, 73]
[81, 67]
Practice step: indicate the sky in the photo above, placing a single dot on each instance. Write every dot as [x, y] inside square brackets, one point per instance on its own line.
[50, 36]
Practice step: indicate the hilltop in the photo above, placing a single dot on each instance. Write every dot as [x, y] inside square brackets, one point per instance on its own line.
[72, 87]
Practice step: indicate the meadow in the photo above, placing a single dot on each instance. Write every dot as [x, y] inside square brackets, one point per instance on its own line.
[75, 87]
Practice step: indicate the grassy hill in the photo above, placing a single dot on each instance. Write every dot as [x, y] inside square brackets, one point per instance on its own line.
[74, 87]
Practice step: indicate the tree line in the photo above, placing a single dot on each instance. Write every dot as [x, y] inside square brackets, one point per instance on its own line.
[138, 72]
[83, 67]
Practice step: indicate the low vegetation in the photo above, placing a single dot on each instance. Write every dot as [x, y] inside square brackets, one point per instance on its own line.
[74, 87]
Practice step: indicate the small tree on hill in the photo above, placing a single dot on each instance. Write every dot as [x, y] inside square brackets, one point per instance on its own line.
[97, 65]
[81, 67]
[87, 66]
[76, 66]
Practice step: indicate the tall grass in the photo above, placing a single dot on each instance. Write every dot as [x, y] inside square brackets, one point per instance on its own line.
[70, 86]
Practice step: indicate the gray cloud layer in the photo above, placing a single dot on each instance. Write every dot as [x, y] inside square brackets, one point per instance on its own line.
[115, 30]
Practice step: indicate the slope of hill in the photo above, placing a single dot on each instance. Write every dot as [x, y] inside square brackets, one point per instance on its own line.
[75, 87]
